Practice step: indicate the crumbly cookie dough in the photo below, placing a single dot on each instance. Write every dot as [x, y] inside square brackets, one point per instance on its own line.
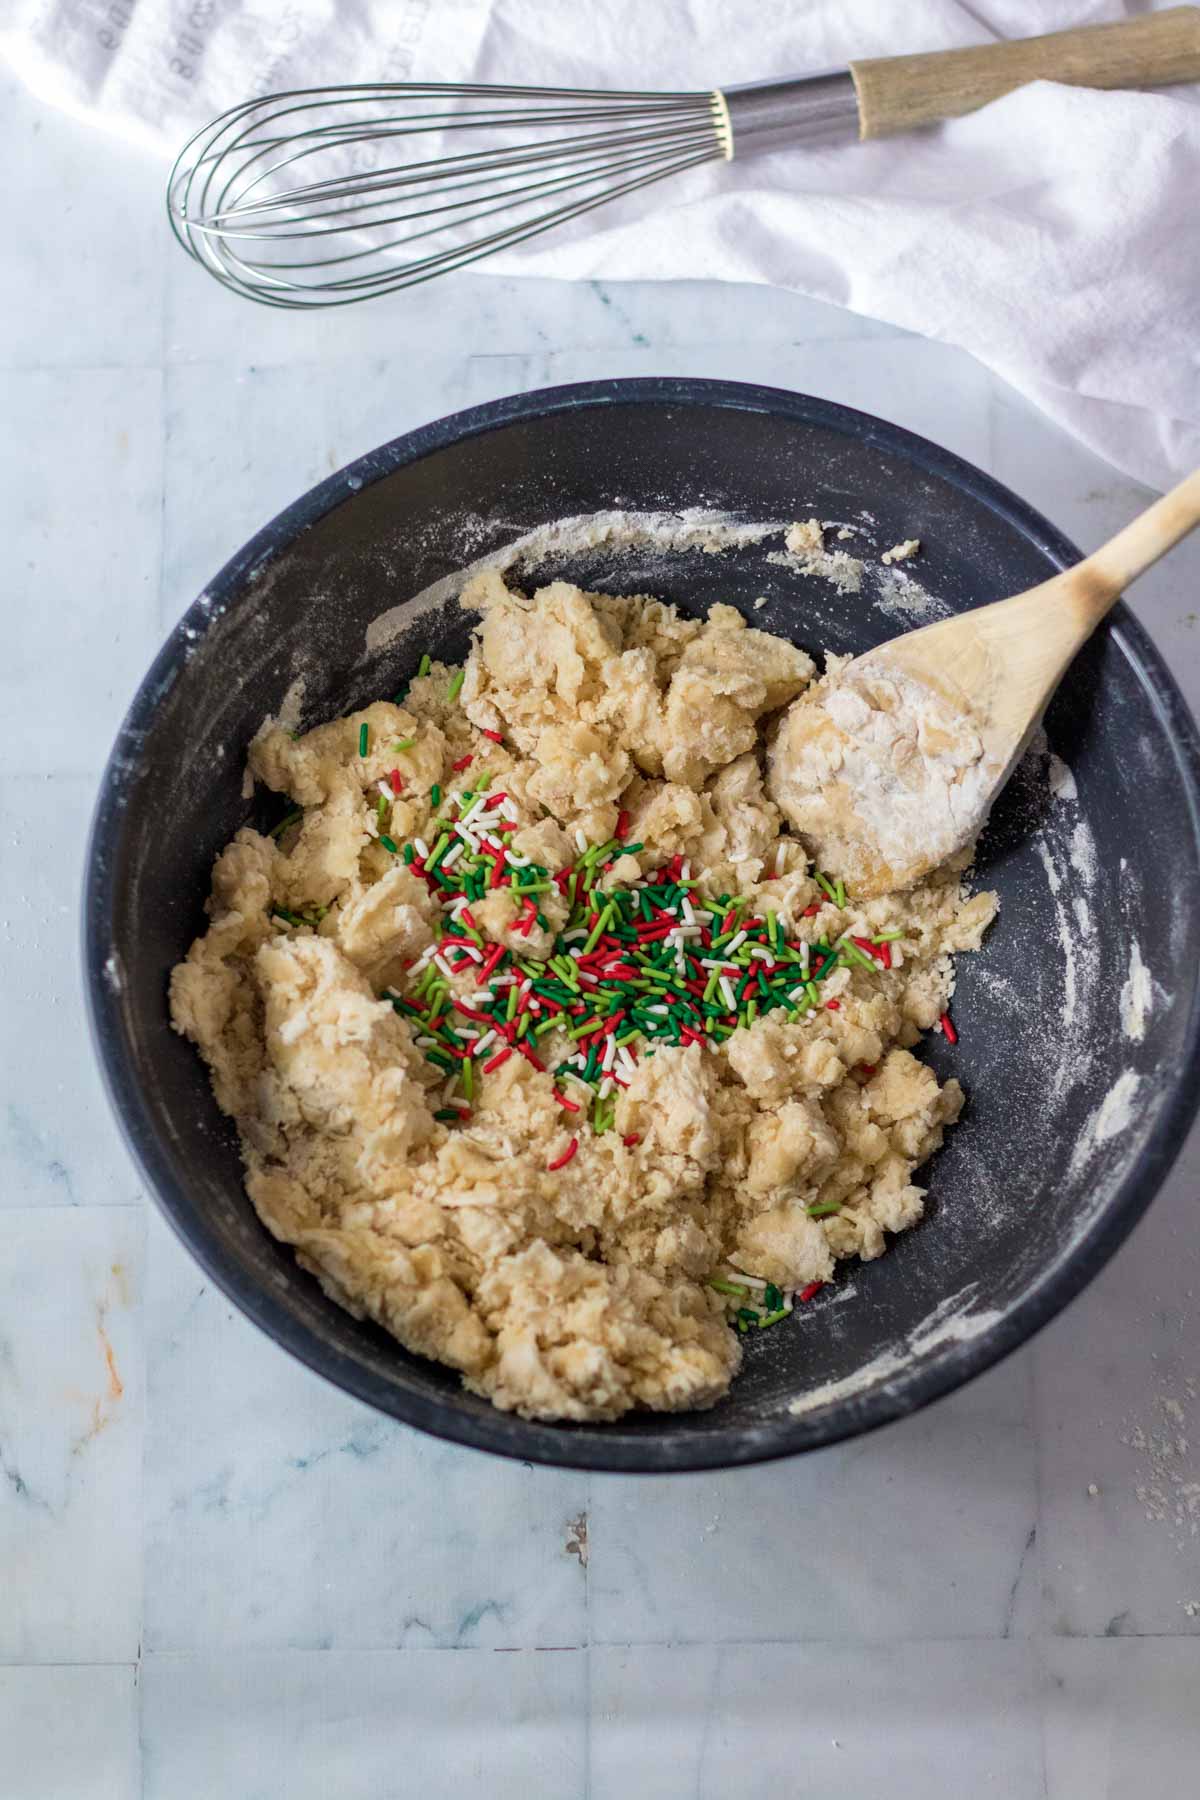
[566, 1283]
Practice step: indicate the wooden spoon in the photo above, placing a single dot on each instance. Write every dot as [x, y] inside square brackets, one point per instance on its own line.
[891, 765]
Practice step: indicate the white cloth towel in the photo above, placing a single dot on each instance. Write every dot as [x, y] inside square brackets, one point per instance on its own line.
[1055, 233]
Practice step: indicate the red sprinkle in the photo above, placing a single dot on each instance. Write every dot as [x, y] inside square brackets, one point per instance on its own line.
[806, 1293]
[397, 783]
[947, 1027]
[493, 800]
[527, 1053]
[487, 966]
[497, 737]
[622, 830]
[868, 1068]
[462, 762]
[833, 1006]
[497, 870]
[563, 1101]
[635, 1137]
[500, 1056]
[560, 1162]
[810, 912]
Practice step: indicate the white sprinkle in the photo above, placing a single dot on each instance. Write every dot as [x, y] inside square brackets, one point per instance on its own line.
[689, 911]
[685, 870]
[425, 1043]
[735, 943]
[662, 1010]
[609, 1054]
[452, 855]
[442, 964]
[385, 789]
[519, 862]
[421, 848]
[754, 1281]
[489, 1037]
[391, 993]
[606, 1087]
[758, 950]
[804, 955]
[581, 842]
[727, 994]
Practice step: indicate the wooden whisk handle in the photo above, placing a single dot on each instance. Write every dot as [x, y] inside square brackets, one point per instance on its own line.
[896, 93]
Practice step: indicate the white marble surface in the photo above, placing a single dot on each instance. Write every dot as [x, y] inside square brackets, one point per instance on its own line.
[219, 1576]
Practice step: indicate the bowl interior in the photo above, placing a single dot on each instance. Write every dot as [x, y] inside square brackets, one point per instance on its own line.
[1077, 1028]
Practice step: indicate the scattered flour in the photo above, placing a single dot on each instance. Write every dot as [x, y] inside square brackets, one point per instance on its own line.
[694, 528]
[904, 599]
[1168, 1483]
[1113, 1115]
[952, 1322]
[1060, 780]
[1084, 860]
[1137, 996]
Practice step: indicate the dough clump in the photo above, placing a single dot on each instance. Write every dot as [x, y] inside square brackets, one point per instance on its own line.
[577, 1291]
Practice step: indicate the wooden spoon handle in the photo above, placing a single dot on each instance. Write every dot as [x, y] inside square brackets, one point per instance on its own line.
[896, 93]
[1096, 582]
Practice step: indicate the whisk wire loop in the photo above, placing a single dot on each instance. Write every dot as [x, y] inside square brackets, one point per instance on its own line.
[286, 199]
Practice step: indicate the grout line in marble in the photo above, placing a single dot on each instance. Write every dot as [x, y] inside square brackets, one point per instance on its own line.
[75, 1662]
[38, 1209]
[1033, 1641]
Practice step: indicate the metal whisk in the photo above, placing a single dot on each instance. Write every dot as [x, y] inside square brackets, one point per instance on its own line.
[324, 196]
[300, 199]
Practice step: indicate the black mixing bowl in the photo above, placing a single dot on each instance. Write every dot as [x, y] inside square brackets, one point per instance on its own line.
[1079, 1096]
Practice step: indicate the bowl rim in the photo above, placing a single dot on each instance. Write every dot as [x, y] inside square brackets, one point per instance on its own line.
[607, 1448]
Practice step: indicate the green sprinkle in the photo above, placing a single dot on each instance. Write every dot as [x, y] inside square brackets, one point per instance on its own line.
[446, 1114]
[824, 1209]
[730, 1287]
[468, 1079]
[389, 844]
[435, 794]
[290, 819]
[452, 692]
[403, 744]
[772, 1318]
[381, 807]
[840, 895]
[772, 1298]
[363, 738]
[409, 853]
[424, 666]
